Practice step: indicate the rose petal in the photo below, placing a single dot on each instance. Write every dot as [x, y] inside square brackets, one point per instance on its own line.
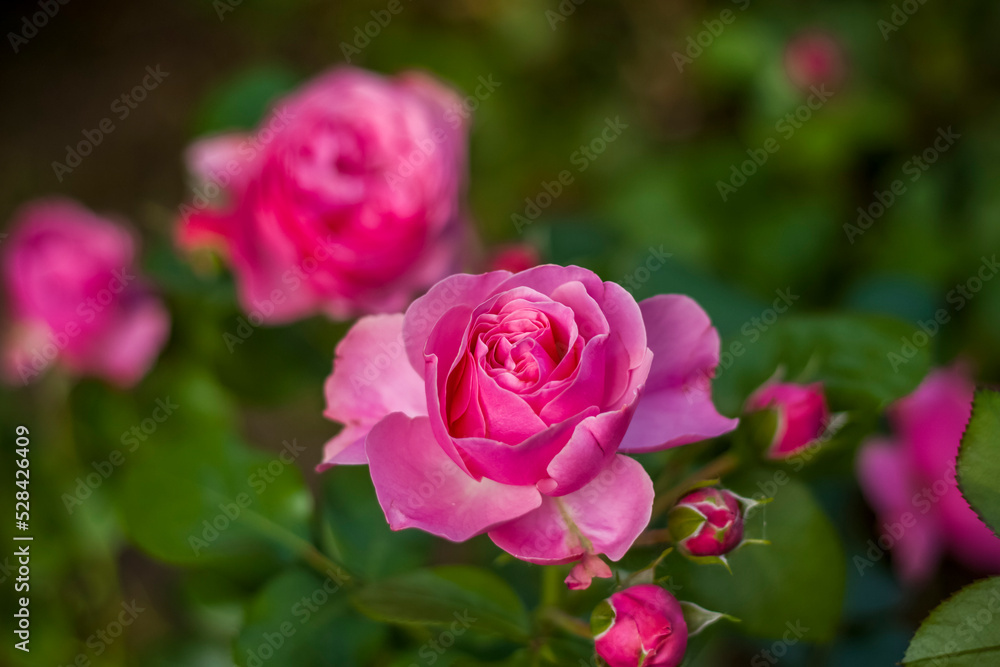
[371, 378]
[611, 511]
[418, 486]
[677, 407]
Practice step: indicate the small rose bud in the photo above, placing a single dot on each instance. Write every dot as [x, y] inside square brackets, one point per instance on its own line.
[815, 58]
[514, 258]
[707, 523]
[640, 626]
[801, 416]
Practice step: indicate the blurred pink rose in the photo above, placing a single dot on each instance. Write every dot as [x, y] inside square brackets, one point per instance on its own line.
[815, 58]
[802, 415]
[641, 626]
[499, 403]
[72, 294]
[910, 481]
[347, 199]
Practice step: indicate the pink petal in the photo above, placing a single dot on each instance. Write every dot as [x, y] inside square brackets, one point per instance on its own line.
[371, 378]
[419, 486]
[611, 511]
[886, 478]
[677, 407]
[585, 571]
[461, 289]
[211, 157]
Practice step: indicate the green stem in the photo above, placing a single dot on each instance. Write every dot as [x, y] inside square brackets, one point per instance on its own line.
[715, 468]
[570, 624]
[304, 549]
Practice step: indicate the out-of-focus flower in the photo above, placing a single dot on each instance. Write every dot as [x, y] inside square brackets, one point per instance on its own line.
[910, 481]
[801, 416]
[514, 258]
[707, 523]
[500, 401]
[346, 200]
[73, 296]
[641, 626]
[815, 58]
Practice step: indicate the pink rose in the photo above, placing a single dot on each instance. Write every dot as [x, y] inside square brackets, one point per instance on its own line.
[73, 295]
[910, 481]
[802, 415]
[347, 200]
[500, 401]
[641, 626]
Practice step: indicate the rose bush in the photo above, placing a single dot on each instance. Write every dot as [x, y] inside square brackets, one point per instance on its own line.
[72, 296]
[500, 403]
[347, 199]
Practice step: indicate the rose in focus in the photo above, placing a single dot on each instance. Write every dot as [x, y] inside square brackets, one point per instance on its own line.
[707, 523]
[73, 296]
[641, 626]
[500, 402]
[347, 200]
[910, 481]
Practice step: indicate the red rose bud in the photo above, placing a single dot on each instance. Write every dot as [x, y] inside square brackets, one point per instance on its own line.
[801, 416]
[707, 524]
[815, 58]
[640, 626]
[514, 258]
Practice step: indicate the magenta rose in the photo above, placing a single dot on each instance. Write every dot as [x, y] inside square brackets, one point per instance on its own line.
[641, 626]
[500, 402]
[73, 296]
[346, 200]
[911, 483]
[802, 416]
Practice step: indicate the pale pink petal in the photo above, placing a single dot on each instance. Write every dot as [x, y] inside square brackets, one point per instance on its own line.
[371, 378]
[418, 486]
[217, 159]
[585, 571]
[610, 512]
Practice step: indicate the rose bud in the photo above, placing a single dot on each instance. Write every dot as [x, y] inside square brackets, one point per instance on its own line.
[801, 416]
[815, 58]
[515, 258]
[640, 626]
[707, 523]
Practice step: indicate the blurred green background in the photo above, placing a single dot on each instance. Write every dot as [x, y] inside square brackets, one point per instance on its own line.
[558, 76]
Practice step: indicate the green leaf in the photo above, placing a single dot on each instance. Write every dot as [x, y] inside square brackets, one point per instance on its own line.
[798, 579]
[471, 596]
[192, 493]
[859, 358]
[979, 458]
[300, 618]
[962, 631]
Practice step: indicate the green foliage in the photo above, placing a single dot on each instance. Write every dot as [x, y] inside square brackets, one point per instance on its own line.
[979, 458]
[472, 597]
[962, 632]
